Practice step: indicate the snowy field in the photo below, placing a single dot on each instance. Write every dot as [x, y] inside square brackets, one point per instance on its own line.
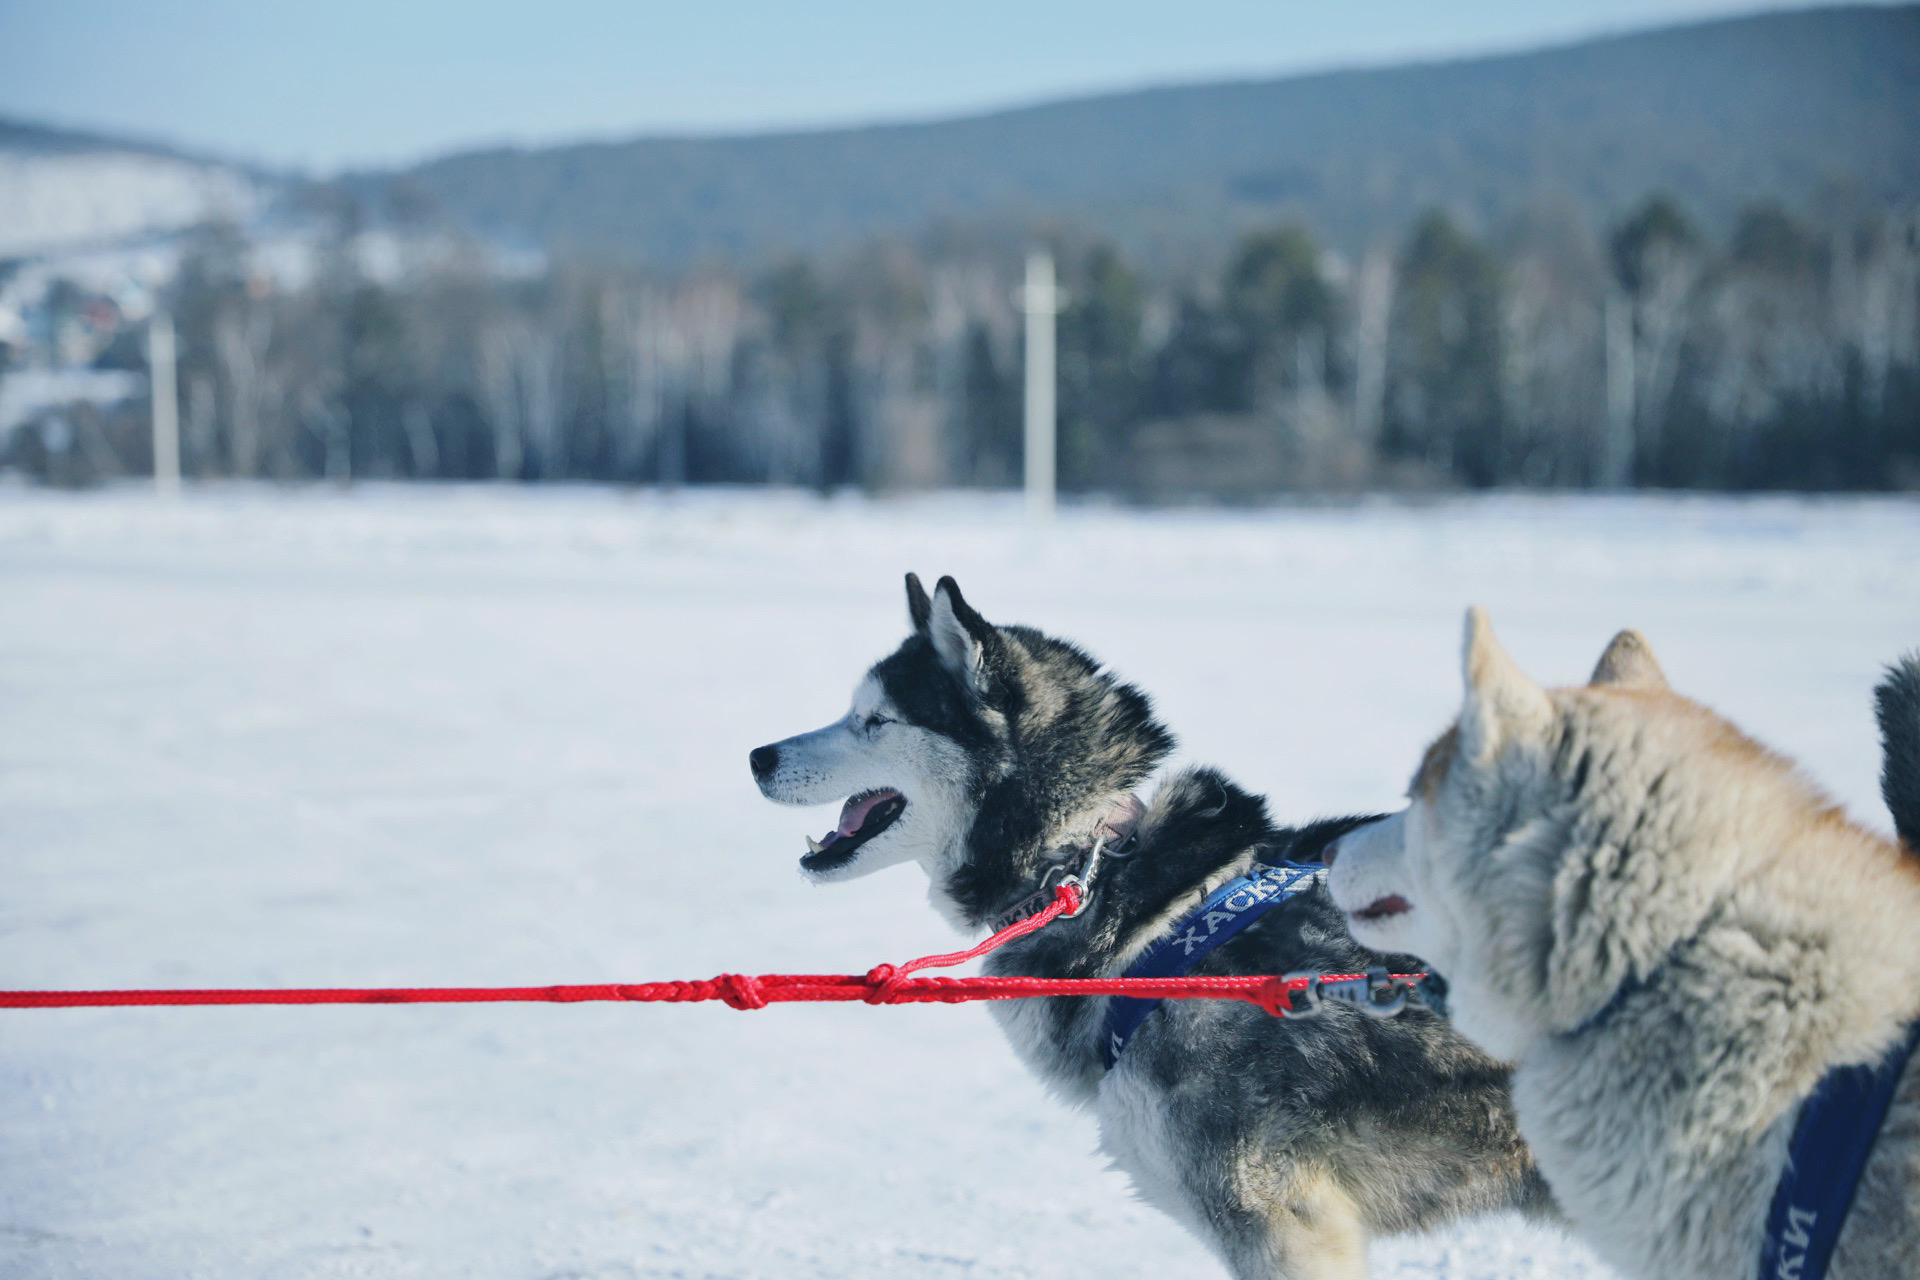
[481, 736]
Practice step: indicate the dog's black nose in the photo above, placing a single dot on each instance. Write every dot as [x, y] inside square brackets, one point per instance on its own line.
[763, 760]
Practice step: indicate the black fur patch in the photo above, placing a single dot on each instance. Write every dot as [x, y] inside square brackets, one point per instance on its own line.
[1897, 703]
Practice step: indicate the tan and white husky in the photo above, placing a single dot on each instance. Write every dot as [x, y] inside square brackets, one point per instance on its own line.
[1674, 936]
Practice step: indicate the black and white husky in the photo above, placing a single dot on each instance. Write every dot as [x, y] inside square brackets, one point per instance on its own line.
[996, 757]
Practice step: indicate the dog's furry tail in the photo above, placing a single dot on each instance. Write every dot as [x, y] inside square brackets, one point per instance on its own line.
[1897, 703]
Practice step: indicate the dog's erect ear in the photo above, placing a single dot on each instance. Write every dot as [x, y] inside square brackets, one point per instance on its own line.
[960, 636]
[1629, 663]
[919, 608]
[1503, 705]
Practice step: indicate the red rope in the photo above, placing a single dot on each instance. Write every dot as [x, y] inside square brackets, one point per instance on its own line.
[884, 984]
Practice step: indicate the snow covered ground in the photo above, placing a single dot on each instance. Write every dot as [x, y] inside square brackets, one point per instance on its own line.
[499, 736]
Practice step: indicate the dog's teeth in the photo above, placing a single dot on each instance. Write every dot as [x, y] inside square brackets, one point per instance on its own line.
[814, 846]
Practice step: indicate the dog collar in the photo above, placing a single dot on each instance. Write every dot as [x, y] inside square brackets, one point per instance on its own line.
[1113, 837]
[1078, 871]
[1225, 912]
[1627, 990]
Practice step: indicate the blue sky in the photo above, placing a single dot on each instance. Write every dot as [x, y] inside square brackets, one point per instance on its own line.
[352, 82]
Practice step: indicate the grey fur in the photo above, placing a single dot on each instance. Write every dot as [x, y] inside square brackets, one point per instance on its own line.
[1674, 935]
[1283, 1145]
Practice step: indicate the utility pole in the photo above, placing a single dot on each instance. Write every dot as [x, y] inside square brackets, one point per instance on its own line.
[1040, 302]
[164, 393]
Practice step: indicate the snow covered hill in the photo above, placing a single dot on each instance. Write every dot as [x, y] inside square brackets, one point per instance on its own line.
[489, 736]
[55, 201]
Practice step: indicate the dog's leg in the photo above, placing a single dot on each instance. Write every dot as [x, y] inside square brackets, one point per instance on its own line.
[1303, 1226]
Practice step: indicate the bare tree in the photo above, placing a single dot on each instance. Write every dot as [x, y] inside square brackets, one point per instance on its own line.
[1658, 260]
[1372, 312]
[1551, 347]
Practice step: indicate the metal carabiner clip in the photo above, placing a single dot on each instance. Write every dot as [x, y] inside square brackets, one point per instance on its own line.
[1306, 1000]
[1083, 883]
[1386, 995]
[1377, 994]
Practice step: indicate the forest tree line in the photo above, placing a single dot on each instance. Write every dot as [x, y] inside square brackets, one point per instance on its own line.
[1784, 355]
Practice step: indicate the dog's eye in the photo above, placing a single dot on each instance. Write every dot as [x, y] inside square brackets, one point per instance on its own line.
[874, 721]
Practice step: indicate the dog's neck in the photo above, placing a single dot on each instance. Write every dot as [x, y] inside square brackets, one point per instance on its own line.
[1814, 944]
[1521, 989]
[1032, 866]
[1079, 856]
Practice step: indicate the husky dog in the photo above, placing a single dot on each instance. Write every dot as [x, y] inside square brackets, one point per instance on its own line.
[1675, 937]
[995, 757]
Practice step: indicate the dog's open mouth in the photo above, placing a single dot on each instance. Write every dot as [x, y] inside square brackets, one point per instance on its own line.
[1381, 908]
[863, 817]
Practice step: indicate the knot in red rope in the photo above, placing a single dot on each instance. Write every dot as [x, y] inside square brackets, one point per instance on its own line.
[741, 991]
[882, 981]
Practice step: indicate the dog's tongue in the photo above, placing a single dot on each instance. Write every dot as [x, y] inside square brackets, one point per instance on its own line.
[858, 808]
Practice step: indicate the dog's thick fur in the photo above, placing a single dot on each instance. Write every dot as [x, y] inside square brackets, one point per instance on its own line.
[1674, 935]
[1283, 1145]
[1897, 705]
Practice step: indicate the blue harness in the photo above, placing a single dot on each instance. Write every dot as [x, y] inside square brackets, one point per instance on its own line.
[1831, 1142]
[1226, 911]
